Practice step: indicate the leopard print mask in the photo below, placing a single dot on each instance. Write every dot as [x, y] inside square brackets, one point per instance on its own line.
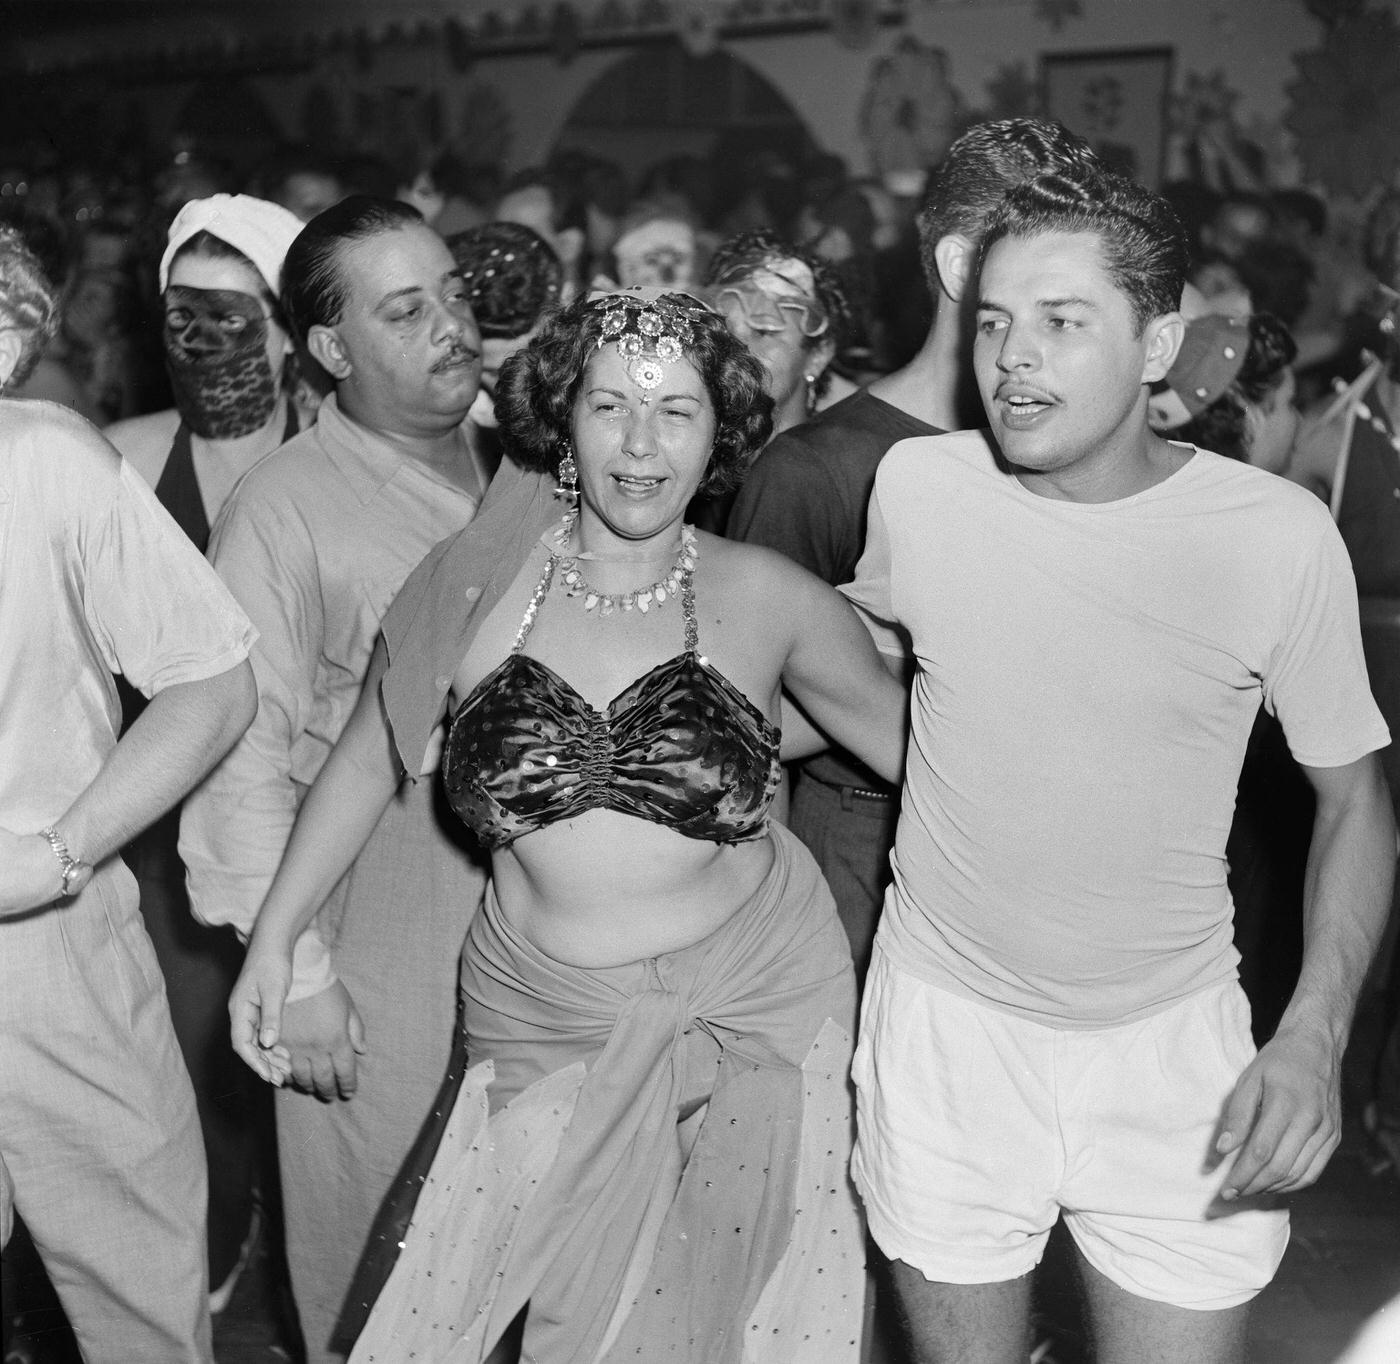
[216, 355]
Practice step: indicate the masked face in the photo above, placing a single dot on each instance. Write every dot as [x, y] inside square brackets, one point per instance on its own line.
[775, 313]
[216, 350]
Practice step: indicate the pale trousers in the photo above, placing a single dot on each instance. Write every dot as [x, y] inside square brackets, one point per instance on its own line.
[98, 1126]
[395, 927]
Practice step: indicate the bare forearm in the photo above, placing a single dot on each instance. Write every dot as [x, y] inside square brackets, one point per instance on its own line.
[1350, 874]
[335, 821]
[179, 736]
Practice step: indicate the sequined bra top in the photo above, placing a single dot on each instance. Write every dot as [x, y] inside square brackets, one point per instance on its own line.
[681, 746]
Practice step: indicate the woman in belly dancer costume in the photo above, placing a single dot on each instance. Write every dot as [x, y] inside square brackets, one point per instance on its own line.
[647, 1157]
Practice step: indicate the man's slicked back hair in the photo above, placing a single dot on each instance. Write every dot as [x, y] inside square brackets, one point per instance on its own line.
[313, 286]
[1145, 248]
[981, 166]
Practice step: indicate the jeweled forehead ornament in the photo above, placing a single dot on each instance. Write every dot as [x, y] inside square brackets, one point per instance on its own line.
[650, 333]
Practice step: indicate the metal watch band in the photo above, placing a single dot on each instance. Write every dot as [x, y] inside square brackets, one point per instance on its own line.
[70, 864]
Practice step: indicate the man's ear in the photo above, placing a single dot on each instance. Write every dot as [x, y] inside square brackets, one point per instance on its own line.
[11, 349]
[1163, 339]
[956, 258]
[326, 349]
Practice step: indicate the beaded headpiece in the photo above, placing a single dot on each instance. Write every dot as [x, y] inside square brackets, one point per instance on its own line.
[651, 329]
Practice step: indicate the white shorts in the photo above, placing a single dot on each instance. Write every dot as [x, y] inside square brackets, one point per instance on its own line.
[978, 1129]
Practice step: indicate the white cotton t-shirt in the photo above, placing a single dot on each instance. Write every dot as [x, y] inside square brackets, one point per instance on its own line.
[1088, 675]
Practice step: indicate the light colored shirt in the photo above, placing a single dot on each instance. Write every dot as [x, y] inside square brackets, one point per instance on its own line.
[1087, 677]
[314, 543]
[95, 579]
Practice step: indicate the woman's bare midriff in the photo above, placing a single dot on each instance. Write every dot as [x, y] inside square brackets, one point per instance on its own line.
[604, 889]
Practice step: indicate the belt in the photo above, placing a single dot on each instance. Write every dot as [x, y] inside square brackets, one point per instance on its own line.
[849, 793]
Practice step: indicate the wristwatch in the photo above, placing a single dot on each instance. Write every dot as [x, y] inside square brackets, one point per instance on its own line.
[75, 873]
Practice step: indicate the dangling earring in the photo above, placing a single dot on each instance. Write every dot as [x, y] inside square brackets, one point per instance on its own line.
[811, 393]
[568, 476]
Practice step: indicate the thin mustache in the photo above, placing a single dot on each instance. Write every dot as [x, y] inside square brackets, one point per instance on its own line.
[1023, 390]
[455, 356]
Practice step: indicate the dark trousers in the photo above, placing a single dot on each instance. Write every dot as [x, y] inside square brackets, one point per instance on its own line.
[850, 835]
[200, 966]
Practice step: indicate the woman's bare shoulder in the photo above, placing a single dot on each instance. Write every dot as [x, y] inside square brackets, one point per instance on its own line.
[767, 596]
[756, 565]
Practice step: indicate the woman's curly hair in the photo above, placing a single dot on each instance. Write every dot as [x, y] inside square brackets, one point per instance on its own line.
[1222, 427]
[538, 386]
[28, 302]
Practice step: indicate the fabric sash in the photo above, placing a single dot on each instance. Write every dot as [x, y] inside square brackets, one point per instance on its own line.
[433, 620]
[623, 1246]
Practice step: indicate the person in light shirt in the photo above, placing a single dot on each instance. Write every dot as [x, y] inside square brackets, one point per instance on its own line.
[1052, 1025]
[99, 1138]
[315, 544]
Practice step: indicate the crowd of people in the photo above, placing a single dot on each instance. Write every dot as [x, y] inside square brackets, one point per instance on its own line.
[730, 740]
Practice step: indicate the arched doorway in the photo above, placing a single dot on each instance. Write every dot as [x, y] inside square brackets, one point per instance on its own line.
[660, 104]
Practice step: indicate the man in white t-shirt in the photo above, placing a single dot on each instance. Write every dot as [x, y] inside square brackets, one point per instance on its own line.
[100, 1148]
[1052, 1024]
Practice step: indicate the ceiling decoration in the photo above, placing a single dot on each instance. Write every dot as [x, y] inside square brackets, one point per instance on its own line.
[50, 35]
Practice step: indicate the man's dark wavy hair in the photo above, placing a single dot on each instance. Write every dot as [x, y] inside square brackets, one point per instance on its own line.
[1144, 245]
[986, 161]
[538, 386]
[1223, 426]
[313, 286]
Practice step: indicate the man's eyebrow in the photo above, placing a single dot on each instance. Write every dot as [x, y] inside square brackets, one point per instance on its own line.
[1045, 304]
[399, 293]
[1070, 301]
[448, 276]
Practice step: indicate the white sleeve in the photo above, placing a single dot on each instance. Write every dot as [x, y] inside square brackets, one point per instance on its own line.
[1317, 683]
[872, 592]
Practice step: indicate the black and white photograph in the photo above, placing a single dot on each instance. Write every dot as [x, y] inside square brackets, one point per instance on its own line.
[699, 681]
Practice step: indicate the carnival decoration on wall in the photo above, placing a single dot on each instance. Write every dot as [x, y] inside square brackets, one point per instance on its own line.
[1117, 101]
[1344, 104]
[1057, 13]
[183, 41]
[697, 26]
[1204, 126]
[911, 112]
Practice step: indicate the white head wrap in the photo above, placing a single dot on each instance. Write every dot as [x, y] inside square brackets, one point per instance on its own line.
[260, 230]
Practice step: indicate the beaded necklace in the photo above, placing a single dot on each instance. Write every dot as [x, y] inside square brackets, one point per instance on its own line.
[673, 583]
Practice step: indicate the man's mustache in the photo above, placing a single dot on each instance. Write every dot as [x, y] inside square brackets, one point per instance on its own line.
[457, 354]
